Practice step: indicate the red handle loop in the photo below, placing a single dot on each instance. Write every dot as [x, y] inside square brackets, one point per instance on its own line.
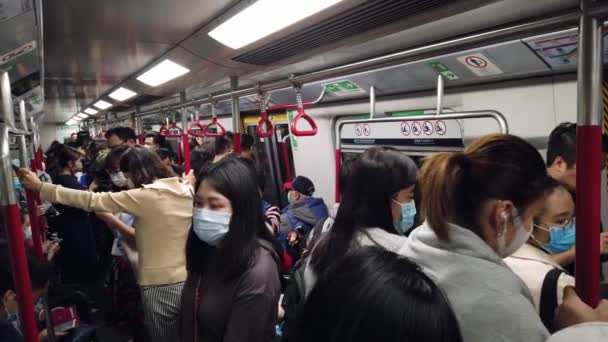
[302, 115]
[265, 123]
[221, 129]
[166, 131]
[196, 125]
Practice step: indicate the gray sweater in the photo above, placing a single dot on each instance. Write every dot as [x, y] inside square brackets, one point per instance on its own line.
[491, 303]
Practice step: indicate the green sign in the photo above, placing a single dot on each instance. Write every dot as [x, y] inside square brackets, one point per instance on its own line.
[343, 88]
[444, 71]
[294, 140]
[408, 113]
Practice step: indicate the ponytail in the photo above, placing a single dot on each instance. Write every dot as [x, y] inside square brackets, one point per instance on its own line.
[442, 176]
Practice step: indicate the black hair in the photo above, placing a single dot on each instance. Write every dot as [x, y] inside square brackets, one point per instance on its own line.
[562, 143]
[123, 133]
[345, 171]
[142, 165]
[202, 155]
[552, 185]
[156, 137]
[40, 272]
[235, 180]
[375, 295]
[246, 142]
[60, 157]
[96, 146]
[83, 138]
[163, 154]
[223, 145]
[376, 176]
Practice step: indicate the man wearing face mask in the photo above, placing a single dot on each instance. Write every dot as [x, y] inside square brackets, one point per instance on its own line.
[301, 215]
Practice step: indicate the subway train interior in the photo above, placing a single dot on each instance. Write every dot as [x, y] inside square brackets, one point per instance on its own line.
[309, 86]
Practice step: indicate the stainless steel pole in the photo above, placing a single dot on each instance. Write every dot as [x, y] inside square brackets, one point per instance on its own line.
[6, 100]
[372, 102]
[439, 94]
[236, 115]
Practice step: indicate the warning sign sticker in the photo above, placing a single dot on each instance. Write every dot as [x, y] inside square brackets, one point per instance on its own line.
[405, 129]
[440, 127]
[358, 130]
[416, 128]
[480, 64]
[22, 50]
[428, 128]
[367, 130]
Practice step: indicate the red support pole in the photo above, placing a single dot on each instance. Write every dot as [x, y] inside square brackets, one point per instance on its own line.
[39, 158]
[186, 148]
[338, 170]
[588, 206]
[236, 142]
[287, 164]
[21, 275]
[32, 208]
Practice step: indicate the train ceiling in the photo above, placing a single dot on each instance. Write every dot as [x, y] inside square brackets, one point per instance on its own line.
[92, 47]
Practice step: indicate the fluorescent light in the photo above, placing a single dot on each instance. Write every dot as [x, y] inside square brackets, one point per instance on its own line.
[122, 94]
[90, 111]
[101, 104]
[82, 116]
[75, 118]
[252, 23]
[163, 72]
[70, 122]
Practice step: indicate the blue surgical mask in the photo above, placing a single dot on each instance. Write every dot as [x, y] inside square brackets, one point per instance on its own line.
[408, 213]
[209, 225]
[17, 184]
[562, 238]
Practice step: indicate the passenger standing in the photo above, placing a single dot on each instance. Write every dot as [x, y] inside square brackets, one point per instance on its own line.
[162, 207]
[375, 295]
[78, 257]
[479, 207]
[223, 147]
[233, 261]
[247, 143]
[120, 136]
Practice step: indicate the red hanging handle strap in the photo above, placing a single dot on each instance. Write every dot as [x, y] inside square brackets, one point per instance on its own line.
[302, 115]
[265, 129]
[166, 131]
[196, 125]
[221, 130]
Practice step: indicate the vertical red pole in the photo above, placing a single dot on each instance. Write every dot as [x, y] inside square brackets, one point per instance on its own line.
[588, 157]
[186, 143]
[21, 275]
[236, 142]
[32, 208]
[141, 139]
[338, 170]
[286, 162]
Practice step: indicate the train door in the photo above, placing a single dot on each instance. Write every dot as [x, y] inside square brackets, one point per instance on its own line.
[273, 155]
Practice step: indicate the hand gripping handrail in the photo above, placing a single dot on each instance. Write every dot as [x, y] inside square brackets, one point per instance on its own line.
[221, 130]
[302, 115]
[264, 122]
[196, 124]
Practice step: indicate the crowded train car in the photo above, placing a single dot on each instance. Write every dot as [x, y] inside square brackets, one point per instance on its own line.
[303, 170]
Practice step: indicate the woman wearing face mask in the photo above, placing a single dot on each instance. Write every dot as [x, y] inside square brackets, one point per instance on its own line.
[377, 208]
[479, 207]
[532, 262]
[77, 259]
[233, 260]
[162, 207]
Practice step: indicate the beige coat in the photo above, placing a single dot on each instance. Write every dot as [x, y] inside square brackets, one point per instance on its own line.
[163, 217]
[532, 264]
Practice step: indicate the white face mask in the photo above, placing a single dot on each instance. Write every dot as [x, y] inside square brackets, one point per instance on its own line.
[209, 225]
[119, 179]
[519, 239]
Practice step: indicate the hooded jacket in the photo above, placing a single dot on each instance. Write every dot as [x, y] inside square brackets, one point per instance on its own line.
[163, 217]
[301, 215]
[242, 309]
[491, 302]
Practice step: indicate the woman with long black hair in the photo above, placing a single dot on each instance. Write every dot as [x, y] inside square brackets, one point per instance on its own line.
[233, 284]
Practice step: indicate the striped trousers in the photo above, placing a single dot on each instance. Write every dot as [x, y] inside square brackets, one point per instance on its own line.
[162, 309]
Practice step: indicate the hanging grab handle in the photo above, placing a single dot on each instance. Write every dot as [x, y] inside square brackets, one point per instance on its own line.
[302, 115]
[264, 122]
[167, 131]
[221, 131]
[196, 124]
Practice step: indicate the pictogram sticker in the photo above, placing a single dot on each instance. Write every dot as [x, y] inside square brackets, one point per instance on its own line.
[440, 127]
[416, 128]
[428, 128]
[7, 57]
[405, 129]
[358, 130]
[480, 64]
[367, 130]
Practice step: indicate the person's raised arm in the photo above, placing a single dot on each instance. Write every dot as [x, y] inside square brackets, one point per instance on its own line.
[124, 201]
[124, 229]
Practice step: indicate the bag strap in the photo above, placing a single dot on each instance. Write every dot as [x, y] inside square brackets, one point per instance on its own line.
[548, 297]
